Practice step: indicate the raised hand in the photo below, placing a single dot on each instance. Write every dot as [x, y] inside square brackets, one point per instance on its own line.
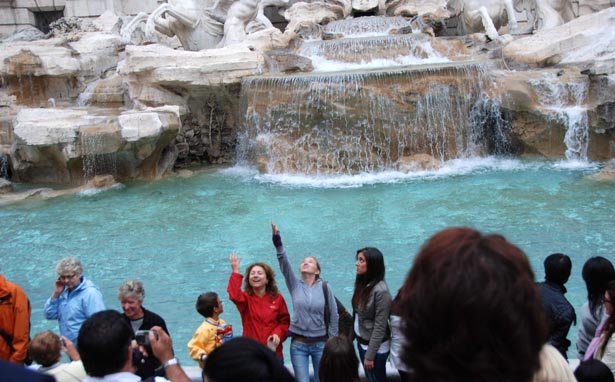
[276, 238]
[235, 262]
[274, 229]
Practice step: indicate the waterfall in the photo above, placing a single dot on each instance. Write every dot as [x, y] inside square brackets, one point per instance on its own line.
[565, 101]
[4, 165]
[84, 97]
[95, 160]
[371, 52]
[353, 122]
[367, 26]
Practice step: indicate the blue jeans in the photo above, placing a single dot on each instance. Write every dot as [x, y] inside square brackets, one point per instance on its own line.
[300, 353]
[379, 372]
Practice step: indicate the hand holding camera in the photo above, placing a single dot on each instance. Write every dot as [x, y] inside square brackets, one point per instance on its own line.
[142, 337]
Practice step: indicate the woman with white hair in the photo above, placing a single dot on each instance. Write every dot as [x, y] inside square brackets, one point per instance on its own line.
[131, 295]
[74, 298]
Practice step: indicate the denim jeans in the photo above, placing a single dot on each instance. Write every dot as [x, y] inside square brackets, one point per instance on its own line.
[300, 353]
[379, 372]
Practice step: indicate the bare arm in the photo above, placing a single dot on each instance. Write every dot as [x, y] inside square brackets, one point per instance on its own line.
[162, 347]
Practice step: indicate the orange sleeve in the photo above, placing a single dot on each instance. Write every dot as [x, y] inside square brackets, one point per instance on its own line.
[21, 334]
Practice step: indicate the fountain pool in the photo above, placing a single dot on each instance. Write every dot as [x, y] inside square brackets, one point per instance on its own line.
[176, 234]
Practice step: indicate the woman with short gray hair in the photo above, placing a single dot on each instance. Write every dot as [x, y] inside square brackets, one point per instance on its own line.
[131, 295]
[69, 265]
[131, 288]
[74, 298]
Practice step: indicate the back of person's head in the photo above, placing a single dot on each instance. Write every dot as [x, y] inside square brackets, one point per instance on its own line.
[45, 348]
[597, 272]
[593, 370]
[205, 304]
[557, 268]
[104, 342]
[473, 310]
[243, 359]
[339, 362]
[553, 366]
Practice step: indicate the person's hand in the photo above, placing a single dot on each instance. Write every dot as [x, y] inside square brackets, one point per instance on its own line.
[235, 262]
[161, 344]
[58, 288]
[368, 364]
[273, 341]
[276, 238]
[69, 348]
[274, 229]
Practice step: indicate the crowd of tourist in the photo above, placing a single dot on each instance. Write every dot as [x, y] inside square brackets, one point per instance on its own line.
[470, 309]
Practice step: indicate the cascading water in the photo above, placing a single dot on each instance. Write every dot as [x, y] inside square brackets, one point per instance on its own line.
[348, 123]
[566, 103]
[342, 121]
[84, 97]
[95, 160]
[4, 165]
[367, 26]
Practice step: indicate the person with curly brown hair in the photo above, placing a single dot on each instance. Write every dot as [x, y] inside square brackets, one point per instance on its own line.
[263, 311]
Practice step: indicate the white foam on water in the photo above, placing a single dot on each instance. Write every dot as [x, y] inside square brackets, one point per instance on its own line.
[450, 168]
[322, 64]
[96, 191]
[576, 164]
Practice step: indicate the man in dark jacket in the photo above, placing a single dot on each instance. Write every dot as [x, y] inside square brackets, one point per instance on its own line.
[559, 312]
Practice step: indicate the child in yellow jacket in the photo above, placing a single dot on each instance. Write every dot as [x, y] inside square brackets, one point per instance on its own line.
[208, 335]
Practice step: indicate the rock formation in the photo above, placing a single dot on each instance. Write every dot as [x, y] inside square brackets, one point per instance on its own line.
[87, 101]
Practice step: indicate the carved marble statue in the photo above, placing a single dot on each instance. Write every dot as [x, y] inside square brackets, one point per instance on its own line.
[306, 19]
[484, 15]
[192, 21]
[247, 16]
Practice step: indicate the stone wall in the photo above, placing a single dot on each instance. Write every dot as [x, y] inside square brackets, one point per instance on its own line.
[21, 13]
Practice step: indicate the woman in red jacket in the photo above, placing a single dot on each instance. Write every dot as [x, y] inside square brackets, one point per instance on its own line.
[264, 315]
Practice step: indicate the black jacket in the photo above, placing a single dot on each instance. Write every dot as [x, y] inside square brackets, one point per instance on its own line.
[146, 367]
[560, 314]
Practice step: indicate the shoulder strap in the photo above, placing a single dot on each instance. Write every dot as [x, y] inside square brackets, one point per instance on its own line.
[6, 297]
[8, 339]
[325, 292]
[4, 335]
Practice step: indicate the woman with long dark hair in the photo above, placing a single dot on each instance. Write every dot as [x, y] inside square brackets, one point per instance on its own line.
[606, 348]
[597, 272]
[371, 303]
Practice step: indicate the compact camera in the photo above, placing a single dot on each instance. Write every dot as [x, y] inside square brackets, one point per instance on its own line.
[142, 337]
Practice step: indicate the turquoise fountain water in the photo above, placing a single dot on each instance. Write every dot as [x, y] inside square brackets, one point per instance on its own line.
[176, 234]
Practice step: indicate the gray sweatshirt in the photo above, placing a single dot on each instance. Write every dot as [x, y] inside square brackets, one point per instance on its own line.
[308, 318]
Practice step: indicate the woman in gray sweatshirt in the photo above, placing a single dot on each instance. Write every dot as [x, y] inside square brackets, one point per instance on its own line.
[308, 328]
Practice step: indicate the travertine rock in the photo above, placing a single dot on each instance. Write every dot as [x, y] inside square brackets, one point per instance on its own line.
[586, 40]
[70, 146]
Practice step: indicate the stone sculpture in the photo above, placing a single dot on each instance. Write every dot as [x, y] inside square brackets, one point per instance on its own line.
[247, 16]
[192, 21]
[484, 15]
[545, 14]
